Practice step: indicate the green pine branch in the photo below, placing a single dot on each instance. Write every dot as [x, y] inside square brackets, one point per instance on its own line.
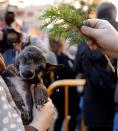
[66, 22]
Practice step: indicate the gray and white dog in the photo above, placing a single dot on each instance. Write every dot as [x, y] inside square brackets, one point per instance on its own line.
[27, 71]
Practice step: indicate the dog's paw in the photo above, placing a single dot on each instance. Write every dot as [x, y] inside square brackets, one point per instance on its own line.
[40, 96]
[19, 103]
[26, 117]
[39, 102]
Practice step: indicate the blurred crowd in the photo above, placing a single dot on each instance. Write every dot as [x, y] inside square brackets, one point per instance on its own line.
[95, 105]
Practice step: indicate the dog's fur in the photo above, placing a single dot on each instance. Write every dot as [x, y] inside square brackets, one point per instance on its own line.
[26, 73]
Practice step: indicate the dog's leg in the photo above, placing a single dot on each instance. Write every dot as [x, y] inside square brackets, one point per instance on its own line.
[23, 100]
[27, 113]
[16, 97]
[40, 95]
[24, 103]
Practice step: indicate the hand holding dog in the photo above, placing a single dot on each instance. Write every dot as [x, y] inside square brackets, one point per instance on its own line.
[43, 118]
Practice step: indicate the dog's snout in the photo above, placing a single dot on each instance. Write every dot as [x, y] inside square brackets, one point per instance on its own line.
[27, 74]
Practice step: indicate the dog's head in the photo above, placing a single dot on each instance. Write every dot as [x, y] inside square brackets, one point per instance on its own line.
[31, 63]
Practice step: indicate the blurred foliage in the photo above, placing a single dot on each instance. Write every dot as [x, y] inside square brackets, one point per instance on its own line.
[90, 9]
[66, 21]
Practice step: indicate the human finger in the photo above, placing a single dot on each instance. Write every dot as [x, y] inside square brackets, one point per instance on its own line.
[91, 22]
[88, 31]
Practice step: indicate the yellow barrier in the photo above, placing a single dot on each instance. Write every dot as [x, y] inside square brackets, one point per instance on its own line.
[66, 84]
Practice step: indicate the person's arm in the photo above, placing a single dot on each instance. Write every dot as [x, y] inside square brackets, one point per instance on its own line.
[103, 36]
[77, 66]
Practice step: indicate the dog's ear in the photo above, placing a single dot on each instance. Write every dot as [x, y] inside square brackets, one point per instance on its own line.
[17, 62]
[51, 67]
[2, 64]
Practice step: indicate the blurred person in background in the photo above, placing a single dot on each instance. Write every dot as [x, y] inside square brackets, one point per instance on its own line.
[9, 18]
[70, 50]
[98, 106]
[56, 45]
[8, 53]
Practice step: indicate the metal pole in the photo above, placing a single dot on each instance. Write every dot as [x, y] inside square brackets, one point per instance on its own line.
[66, 108]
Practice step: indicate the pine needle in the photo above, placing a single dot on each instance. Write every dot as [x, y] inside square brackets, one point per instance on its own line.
[66, 22]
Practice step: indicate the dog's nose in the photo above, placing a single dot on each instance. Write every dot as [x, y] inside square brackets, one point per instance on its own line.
[27, 74]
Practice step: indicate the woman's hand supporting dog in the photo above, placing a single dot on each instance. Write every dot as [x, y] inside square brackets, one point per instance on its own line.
[43, 118]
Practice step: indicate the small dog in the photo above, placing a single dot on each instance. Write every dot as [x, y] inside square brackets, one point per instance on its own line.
[27, 71]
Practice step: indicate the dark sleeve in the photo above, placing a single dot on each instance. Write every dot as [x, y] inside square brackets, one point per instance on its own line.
[77, 66]
[102, 83]
[30, 128]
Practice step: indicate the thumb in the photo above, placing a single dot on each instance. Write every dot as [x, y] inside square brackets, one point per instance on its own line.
[88, 31]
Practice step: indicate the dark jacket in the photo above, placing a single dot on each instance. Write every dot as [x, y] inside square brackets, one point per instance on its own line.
[99, 90]
[115, 24]
[65, 73]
